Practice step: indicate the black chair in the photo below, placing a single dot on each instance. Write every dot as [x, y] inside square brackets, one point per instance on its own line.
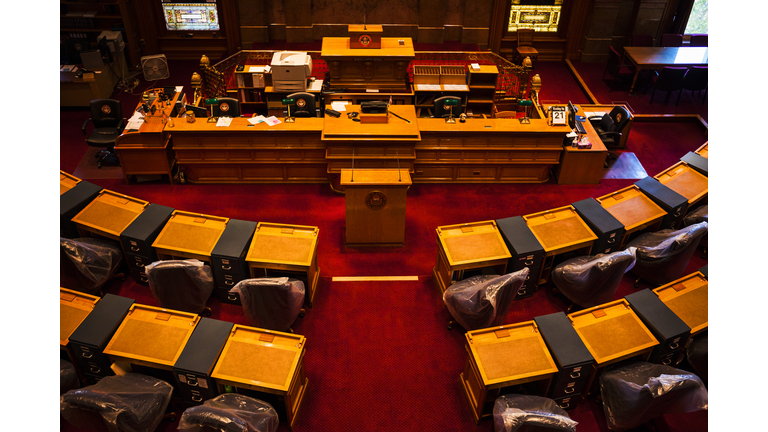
[617, 69]
[125, 403]
[483, 301]
[517, 413]
[271, 303]
[663, 255]
[642, 40]
[697, 79]
[305, 105]
[592, 280]
[230, 412]
[226, 107]
[608, 127]
[86, 264]
[183, 285]
[108, 123]
[699, 215]
[669, 79]
[699, 40]
[671, 40]
[634, 395]
[443, 111]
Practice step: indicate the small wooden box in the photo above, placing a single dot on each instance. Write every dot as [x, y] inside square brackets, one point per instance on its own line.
[279, 250]
[688, 299]
[703, 151]
[451, 74]
[189, 235]
[426, 74]
[468, 246]
[151, 336]
[633, 209]
[265, 361]
[686, 181]
[67, 181]
[374, 118]
[504, 356]
[108, 215]
[365, 36]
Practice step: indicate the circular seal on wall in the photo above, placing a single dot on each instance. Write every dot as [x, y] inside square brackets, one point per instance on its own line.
[106, 109]
[224, 107]
[375, 200]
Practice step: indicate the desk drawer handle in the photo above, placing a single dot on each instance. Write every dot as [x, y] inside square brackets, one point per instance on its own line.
[229, 283]
[678, 212]
[87, 355]
[135, 249]
[232, 297]
[611, 241]
[666, 361]
[565, 405]
[575, 375]
[191, 383]
[569, 388]
[226, 267]
[95, 369]
[143, 279]
[521, 292]
[197, 398]
[674, 345]
[528, 262]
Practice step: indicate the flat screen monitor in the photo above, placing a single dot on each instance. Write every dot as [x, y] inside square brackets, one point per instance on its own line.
[572, 122]
[200, 15]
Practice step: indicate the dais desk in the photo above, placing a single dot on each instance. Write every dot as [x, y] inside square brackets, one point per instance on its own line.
[382, 68]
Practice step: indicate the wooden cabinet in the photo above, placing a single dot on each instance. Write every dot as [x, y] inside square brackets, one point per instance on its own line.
[482, 89]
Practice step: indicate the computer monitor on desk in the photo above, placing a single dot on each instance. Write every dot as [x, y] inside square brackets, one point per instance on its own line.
[574, 124]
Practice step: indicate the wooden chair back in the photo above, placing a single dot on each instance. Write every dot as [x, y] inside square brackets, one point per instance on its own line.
[525, 37]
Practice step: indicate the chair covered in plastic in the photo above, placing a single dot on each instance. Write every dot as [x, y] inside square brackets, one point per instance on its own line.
[697, 79]
[616, 68]
[271, 303]
[230, 412]
[68, 379]
[122, 403]
[699, 215]
[697, 354]
[86, 264]
[670, 79]
[671, 40]
[592, 280]
[183, 285]
[637, 393]
[513, 413]
[663, 255]
[483, 301]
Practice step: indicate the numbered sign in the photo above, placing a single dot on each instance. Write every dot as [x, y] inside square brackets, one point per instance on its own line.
[558, 116]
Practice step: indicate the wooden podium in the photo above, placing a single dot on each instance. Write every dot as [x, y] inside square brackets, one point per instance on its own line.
[375, 206]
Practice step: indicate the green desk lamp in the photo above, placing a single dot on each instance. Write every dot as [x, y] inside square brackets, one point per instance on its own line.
[210, 102]
[289, 102]
[450, 103]
[527, 103]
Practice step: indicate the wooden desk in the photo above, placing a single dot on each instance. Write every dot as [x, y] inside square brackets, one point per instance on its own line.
[67, 182]
[633, 209]
[189, 235]
[108, 215]
[703, 151]
[612, 332]
[151, 336]
[688, 299]
[502, 357]
[400, 97]
[384, 68]
[279, 250]
[265, 361]
[468, 246]
[74, 91]
[686, 181]
[559, 231]
[660, 57]
[580, 166]
[344, 129]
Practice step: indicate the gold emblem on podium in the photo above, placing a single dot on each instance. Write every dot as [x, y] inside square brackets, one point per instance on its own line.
[375, 200]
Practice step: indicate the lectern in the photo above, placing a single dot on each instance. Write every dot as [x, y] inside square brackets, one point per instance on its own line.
[375, 206]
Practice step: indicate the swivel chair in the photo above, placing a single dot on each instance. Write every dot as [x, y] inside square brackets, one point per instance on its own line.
[663, 255]
[226, 107]
[183, 285]
[305, 105]
[443, 111]
[513, 413]
[637, 393]
[86, 264]
[124, 403]
[108, 122]
[525, 46]
[617, 69]
[670, 79]
[271, 303]
[230, 412]
[697, 79]
[592, 280]
[608, 127]
[701, 214]
[483, 301]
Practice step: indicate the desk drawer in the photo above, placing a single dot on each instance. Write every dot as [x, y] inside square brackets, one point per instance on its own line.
[568, 402]
[138, 262]
[478, 172]
[140, 276]
[92, 360]
[224, 296]
[227, 281]
[195, 388]
[233, 267]
[570, 381]
[528, 288]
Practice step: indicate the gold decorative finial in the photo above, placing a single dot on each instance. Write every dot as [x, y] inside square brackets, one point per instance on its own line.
[204, 61]
[197, 80]
[527, 63]
[536, 83]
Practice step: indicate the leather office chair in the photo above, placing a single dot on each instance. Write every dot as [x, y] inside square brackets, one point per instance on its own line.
[699, 40]
[516, 413]
[68, 379]
[608, 127]
[86, 264]
[616, 68]
[525, 46]
[108, 123]
[483, 301]
[226, 107]
[663, 255]
[305, 105]
[125, 403]
[592, 280]
[634, 395]
[697, 79]
[183, 285]
[230, 412]
[642, 40]
[271, 303]
[671, 40]
[669, 79]
[697, 354]
[700, 214]
[443, 111]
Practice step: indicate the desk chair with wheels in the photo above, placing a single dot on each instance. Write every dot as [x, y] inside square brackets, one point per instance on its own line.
[516, 413]
[634, 395]
[592, 280]
[271, 303]
[183, 285]
[108, 122]
[608, 127]
[124, 403]
[86, 264]
[230, 412]
[669, 79]
[663, 255]
[226, 107]
[525, 45]
[483, 301]
[305, 105]
[443, 111]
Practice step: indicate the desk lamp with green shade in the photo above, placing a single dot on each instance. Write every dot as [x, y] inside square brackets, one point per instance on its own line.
[288, 102]
[450, 103]
[527, 103]
[210, 102]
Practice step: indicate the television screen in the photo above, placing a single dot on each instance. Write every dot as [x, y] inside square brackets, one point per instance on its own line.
[191, 16]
